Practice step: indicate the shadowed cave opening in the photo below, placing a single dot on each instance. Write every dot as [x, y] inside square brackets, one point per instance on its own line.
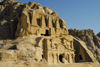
[42, 56]
[60, 58]
[80, 57]
[46, 34]
[80, 51]
[13, 48]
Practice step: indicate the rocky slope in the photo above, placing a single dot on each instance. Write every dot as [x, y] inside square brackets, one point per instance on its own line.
[18, 39]
[92, 41]
[13, 23]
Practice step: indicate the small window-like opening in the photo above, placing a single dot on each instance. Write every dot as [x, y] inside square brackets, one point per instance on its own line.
[80, 57]
[47, 33]
[60, 58]
[13, 48]
[61, 23]
[38, 22]
[35, 59]
[42, 56]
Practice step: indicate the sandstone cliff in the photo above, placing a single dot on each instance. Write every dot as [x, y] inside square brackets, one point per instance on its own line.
[33, 35]
[92, 41]
[18, 19]
[23, 28]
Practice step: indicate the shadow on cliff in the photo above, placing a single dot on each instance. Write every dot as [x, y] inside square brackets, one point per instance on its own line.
[9, 18]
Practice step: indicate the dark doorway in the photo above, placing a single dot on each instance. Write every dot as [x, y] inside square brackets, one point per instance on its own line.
[60, 58]
[80, 57]
[42, 56]
[47, 33]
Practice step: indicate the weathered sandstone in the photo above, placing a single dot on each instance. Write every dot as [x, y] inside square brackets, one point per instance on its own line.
[92, 41]
[33, 35]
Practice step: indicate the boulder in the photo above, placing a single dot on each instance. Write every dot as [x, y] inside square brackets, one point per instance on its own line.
[54, 14]
[47, 10]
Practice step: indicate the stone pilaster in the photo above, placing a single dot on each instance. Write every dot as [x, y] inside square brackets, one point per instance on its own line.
[57, 27]
[34, 22]
[49, 22]
[43, 22]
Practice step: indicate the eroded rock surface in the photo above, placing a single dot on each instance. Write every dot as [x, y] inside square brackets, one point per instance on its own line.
[31, 35]
[92, 41]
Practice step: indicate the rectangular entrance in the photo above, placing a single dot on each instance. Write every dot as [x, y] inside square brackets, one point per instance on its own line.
[46, 33]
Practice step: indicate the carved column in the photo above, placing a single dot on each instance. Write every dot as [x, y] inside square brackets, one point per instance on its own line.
[49, 45]
[49, 24]
[54, 59]
[34, 27]
[73, 57]
[43, 25]
[72, 46]
[34, 22]
[57, 27]
[70, 59]
[65, 29]
[67, 57]
[43, 22]
[57, 23]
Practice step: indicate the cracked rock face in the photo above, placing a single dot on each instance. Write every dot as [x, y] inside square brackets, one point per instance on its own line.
[33, 35]
[19, 19]
[92, 41]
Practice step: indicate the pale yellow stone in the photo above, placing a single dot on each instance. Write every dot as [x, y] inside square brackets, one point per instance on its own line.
[42, 40]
